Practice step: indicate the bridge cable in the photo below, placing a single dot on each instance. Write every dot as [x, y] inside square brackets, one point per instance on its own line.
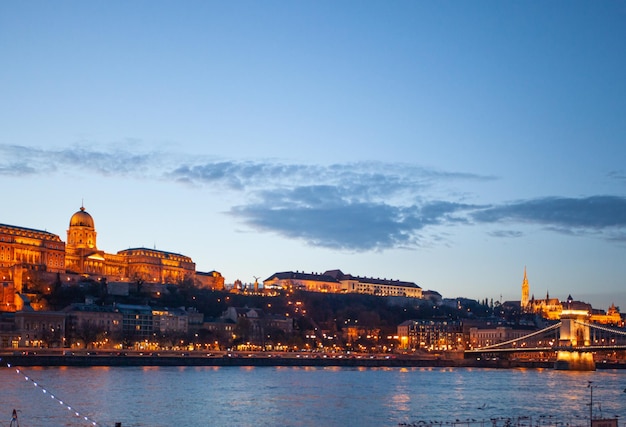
[500, 344]
[602, 328]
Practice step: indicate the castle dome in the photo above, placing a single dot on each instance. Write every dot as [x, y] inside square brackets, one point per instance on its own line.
[81, 219]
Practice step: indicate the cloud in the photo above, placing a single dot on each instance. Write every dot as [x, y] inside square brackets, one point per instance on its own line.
[329, 216]
[362, 179]
[369, 179]
[506, 233]
[358, 206]
[22, 160]
[12, 169]
[600, 215]
[354, 226]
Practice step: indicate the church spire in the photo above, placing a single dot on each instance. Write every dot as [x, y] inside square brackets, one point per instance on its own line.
[525, 292]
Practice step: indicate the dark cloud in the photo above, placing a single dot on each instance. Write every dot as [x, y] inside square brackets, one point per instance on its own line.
[327, 216]
[596, 212]
[357, 226]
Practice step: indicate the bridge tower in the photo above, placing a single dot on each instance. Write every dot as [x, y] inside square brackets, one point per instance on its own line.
[574, 336]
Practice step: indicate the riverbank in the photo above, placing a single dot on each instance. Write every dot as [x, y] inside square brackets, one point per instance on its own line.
[273, 359]
[259, 360]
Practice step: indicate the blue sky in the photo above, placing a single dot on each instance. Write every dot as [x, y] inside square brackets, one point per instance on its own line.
[445, 143]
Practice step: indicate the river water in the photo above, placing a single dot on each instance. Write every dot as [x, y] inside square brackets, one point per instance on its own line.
[303, 396]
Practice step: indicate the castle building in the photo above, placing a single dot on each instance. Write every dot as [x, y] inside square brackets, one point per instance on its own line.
[82, 255]
[24, 251]
[28, 255]
[33, 249]
[148, 265]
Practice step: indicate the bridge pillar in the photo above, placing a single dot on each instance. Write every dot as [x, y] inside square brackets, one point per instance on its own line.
[574, 335]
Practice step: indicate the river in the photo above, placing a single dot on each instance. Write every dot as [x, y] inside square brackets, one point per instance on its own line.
[307, 396]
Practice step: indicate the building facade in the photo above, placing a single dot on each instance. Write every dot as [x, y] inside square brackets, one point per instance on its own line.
[29, 255]
[552, 308]
[137, 264]
[485, 337]
[32, 249]
[25, 252]
[431, 335]
[92, 325]
[335, 281]
[40, 328]
[212, 280]
[137, 321]
[166, 320]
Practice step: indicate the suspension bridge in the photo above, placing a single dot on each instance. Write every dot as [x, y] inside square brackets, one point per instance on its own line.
[573, 342]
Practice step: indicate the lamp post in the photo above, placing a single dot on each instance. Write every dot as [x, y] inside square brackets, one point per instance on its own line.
[590, 386]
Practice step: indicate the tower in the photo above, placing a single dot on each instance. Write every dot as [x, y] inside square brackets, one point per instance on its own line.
[525, 292]
[82, 232]
[81, 253]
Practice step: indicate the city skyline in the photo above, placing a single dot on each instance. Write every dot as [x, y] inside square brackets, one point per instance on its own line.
[449, 145]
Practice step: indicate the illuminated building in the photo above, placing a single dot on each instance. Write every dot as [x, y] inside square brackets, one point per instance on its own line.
[552, 308]
[312, 282]
[34, 256]
[335, 281]
[151, 265]
[548, 308]
[33, 249]
[137, 321]
[431, 335]
[166, 320]
[148, 265]
[24, 250]
[212, 280]
[82, 255]
[93, 324]
[611, 317]
[40, 328]
[484, 337]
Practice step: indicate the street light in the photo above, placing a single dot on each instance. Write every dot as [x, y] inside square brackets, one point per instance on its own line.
[590, 386]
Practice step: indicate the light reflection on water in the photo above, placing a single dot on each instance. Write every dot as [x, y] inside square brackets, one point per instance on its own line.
[307, 396]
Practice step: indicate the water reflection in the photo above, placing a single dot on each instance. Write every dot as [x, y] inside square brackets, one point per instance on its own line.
[305, 396]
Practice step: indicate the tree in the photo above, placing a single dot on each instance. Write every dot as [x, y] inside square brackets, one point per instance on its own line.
[243, 329]
[87, 333]
[51, 337]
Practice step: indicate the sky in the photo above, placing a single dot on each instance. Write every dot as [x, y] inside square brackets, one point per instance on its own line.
[449, 144]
